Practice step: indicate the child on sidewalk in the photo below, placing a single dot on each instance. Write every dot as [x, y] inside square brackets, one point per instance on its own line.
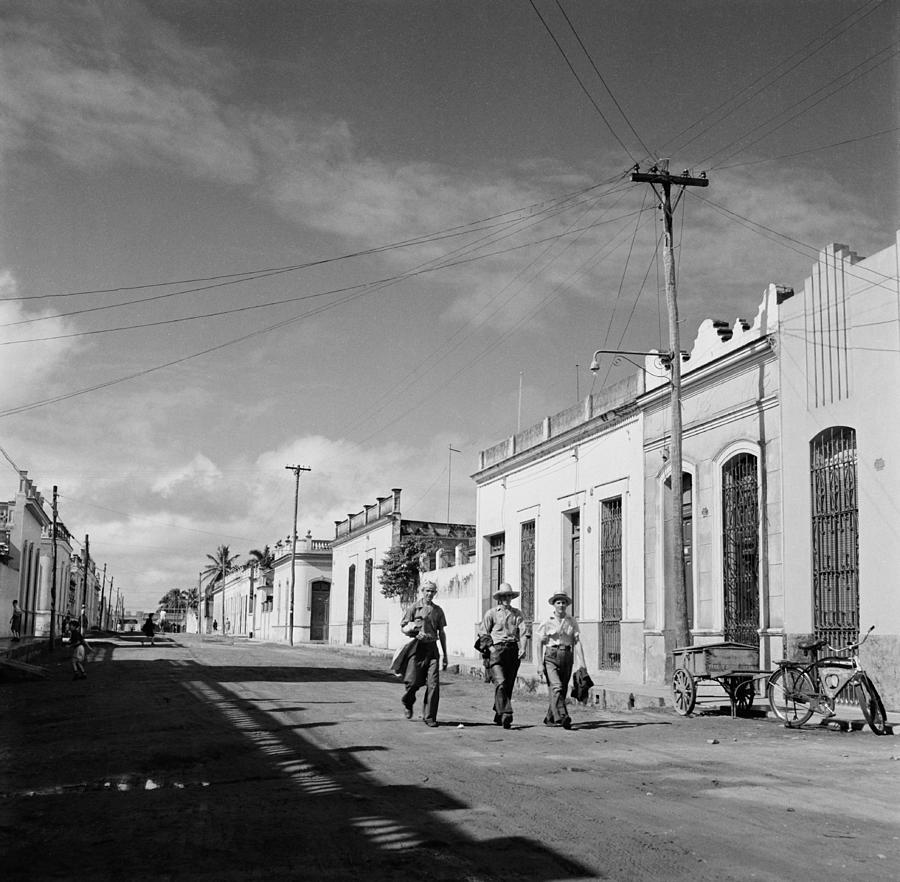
[80, 649]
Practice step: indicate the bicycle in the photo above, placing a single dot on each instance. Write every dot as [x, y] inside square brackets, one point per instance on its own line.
[797, 690]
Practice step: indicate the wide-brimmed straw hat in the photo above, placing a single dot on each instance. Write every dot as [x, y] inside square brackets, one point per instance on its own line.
[560, 596]
[505, 590]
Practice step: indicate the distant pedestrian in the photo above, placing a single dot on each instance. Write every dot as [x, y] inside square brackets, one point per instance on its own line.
[215, 626]
[80, 650]
[227, 627]
[559, 638]
[508, 632]
[149, 628]
[15, 621]
[425, 622]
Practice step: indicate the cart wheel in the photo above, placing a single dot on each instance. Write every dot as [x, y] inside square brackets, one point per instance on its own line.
[744, 693]
[684, 692]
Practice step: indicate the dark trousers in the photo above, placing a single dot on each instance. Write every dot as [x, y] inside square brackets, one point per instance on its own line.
[558, 668]
[423, 669]
[504, 667]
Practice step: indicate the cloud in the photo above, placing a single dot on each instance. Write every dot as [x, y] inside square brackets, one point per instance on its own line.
[29, 376]
[200, 473]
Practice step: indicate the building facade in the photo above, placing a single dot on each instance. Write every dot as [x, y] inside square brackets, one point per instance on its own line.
[360, 614]
[840, 383]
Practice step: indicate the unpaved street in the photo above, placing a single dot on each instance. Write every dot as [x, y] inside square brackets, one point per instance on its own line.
[218, 761]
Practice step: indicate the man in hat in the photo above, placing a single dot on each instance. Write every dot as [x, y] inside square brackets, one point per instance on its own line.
[506, 627]
[425, 622]
[558, 638]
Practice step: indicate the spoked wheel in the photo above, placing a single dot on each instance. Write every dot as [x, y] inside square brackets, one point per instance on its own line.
[872, 707]
[791, 692]
[743, 694]
[684, 692]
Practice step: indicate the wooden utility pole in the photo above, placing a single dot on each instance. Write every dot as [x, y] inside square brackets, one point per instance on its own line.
[662, 182]
[53, 577]
[102, 597]
[450, 451]
[296, 469]
[82, 616]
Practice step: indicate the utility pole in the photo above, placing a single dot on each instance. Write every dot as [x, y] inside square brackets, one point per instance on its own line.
[102, 596]
[53, 578]
[450, 451]
[661, 180]
[296, 469]
[82, 616]
[111, 581]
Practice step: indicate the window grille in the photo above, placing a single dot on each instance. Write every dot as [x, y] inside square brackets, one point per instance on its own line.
[611, 584]
[526, 584]
[835, 535]
[740, 548]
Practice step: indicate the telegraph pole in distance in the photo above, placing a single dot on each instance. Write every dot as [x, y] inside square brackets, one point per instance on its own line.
[82, 615]
[296, 469]
[450, 451]
[53, 577]
[102, 596]
[659, 177]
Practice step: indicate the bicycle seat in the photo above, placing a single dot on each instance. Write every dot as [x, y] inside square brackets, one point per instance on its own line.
[813, 646]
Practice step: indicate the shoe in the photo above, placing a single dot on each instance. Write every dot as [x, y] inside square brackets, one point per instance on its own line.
[507, 722]
[407, 712]
[498, 721]
[567, 723]
[431, 723]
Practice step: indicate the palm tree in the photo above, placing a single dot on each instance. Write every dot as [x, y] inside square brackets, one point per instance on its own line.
[263, 560]
[220, 565]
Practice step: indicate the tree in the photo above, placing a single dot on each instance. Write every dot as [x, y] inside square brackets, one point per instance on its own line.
[192, 598]
[400, 569]
[261, 559]
[172, 599]
[220, 565]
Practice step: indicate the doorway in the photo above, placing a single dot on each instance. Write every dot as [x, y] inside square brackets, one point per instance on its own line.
[320, 602]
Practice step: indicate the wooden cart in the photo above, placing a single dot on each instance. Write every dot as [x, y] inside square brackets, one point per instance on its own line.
[734, 666]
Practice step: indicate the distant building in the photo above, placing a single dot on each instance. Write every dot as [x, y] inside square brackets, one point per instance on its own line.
[26, 562]
[360, 614]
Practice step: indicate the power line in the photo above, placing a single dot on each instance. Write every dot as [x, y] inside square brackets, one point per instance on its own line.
[362, 288]
[825, 97]
[249, 275]
[580, 81]
[772, 71]
[602, 80]
[809, 150]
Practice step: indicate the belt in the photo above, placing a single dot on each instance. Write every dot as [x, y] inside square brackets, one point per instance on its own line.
[560, 648]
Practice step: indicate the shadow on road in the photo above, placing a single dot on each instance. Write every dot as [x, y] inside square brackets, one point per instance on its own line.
[165, 758]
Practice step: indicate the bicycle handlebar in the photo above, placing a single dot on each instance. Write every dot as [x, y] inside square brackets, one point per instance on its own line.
[852, 645]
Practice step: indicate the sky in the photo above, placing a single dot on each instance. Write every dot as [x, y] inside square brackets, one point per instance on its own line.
[349, 235]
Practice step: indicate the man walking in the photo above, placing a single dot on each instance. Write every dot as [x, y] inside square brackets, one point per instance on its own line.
[506, 627]
[425, 622]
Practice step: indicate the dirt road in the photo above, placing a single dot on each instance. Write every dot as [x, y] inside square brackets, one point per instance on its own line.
[217, 761]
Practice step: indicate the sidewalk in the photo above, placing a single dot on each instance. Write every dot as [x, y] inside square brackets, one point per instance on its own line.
[612, 694]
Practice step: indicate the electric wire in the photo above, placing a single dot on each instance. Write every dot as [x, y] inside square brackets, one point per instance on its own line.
[584, 88]
[609, 92]
[363, 288]
[839, 27]
[834, 91]
[457, 230]
[809, 150]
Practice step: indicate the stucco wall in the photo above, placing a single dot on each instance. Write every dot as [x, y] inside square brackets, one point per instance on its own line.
[840, 362]
[580, 476]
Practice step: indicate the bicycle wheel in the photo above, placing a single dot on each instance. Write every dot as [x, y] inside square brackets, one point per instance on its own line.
[684, 692]
[790, 692]
[744, 694]
[871, 704]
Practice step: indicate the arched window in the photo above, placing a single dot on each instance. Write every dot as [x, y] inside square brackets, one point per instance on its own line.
[740, 548]
[835, 535]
